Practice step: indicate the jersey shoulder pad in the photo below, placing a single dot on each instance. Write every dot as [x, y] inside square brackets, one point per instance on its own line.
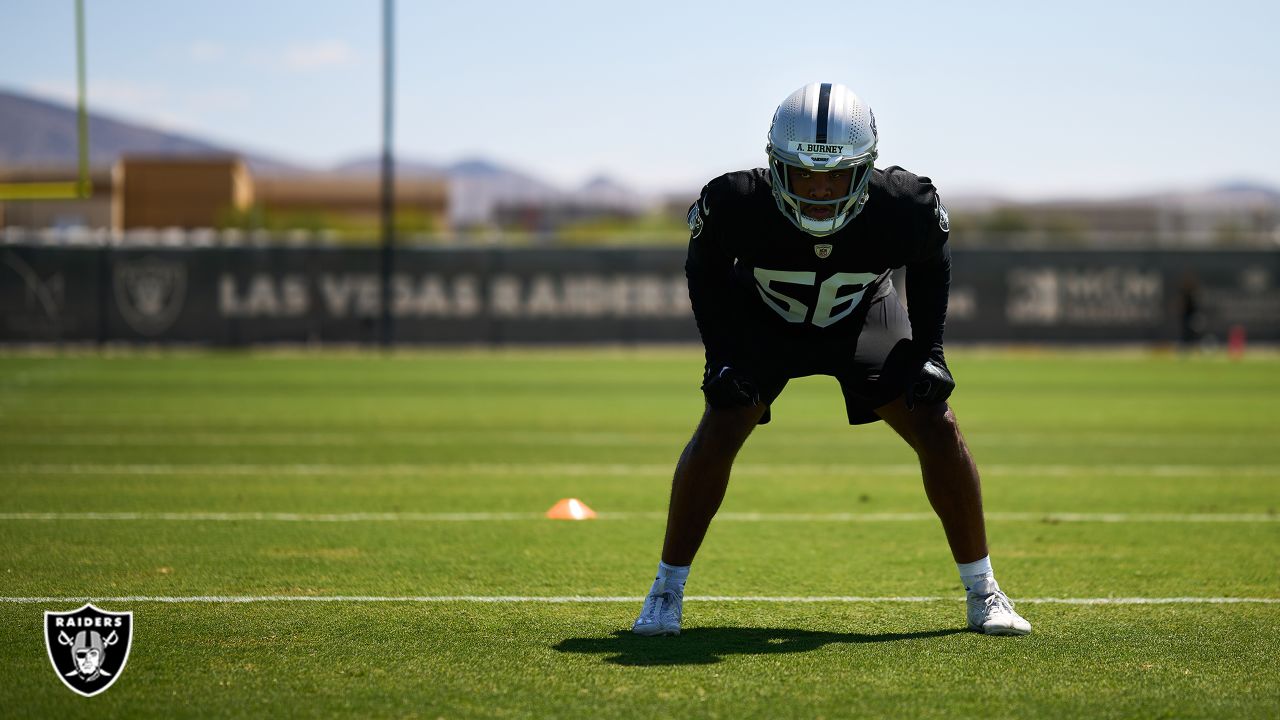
[732, 188]
[912, 199]
[723, 196]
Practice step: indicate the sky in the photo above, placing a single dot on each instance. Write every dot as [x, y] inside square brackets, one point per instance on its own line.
[1019, 99]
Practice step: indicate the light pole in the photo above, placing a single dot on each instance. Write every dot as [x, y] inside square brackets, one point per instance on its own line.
[388, 170]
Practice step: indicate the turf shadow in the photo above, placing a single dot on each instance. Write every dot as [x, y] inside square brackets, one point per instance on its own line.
[707, 645]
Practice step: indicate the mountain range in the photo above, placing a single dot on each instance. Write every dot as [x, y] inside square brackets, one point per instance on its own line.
[37, 133]
[41, 133]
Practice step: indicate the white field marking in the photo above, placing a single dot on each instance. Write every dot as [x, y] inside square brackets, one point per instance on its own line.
[279, 516]
[1001, 516]
[622, 469]
[278, 439]
[429, 438]
[551, 599]
[1050, 517]
[339, 470]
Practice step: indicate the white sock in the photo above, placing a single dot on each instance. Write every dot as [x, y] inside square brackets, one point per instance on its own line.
[671, 576]
[972, 573]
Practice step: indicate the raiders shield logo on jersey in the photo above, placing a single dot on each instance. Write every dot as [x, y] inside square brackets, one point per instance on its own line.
[944, 220]
[822, 250]
[88, 647]
[695, 221]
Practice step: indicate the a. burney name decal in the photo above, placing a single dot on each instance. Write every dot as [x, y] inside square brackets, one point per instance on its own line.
[822, 148]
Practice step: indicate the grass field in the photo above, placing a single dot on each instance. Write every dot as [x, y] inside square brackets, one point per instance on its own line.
[413, 486]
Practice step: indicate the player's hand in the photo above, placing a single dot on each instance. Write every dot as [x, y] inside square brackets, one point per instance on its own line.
[933, 384]
[728, 388]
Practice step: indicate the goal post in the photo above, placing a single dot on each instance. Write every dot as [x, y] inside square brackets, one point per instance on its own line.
[81, 187]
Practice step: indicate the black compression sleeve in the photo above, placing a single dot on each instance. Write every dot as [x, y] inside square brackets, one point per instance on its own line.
[928, 285]
[710, 273]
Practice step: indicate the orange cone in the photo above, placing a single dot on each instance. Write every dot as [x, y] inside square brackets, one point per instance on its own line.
[571, 509]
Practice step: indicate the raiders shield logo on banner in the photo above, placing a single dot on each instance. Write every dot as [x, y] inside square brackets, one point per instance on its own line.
[88, 647]
[822, 250]
[150, 293]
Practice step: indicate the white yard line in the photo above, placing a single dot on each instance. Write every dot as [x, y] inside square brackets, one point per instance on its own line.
[552, 599]
[276, 439]
[617, 469]
[587, 438]
[340, 470]
[1049, 517]
[277, 516]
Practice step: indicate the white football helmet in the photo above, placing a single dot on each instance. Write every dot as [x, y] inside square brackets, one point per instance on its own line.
[819, 128]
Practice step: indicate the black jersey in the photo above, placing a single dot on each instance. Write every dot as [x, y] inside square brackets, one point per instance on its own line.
[754, 277]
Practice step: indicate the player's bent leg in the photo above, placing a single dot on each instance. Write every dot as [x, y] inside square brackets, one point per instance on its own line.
[701, 477]
[950, 476]
[955, 491]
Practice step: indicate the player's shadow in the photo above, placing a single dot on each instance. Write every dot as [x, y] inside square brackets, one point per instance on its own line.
[707, 645]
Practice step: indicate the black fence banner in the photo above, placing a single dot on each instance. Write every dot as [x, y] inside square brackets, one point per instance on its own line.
[247, 295]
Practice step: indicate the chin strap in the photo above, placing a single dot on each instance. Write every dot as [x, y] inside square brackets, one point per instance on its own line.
[833, 224]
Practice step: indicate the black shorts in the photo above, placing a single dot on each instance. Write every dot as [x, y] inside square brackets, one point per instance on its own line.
[872, 367]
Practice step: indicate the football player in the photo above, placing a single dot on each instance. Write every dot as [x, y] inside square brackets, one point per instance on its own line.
[788, 271]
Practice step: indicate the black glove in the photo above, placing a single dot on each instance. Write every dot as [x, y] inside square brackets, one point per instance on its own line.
[932, 384]
[729, 388]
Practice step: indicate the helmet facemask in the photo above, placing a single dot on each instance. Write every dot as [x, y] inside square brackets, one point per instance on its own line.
[822, 127]
[844, 207]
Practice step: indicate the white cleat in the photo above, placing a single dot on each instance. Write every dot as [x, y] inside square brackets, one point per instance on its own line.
[991, 612]
[661, 612]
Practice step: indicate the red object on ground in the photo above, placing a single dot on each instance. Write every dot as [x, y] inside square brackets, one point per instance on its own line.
[1235, 342]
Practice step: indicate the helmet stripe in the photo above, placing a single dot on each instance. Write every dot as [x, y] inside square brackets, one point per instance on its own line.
[824, 107]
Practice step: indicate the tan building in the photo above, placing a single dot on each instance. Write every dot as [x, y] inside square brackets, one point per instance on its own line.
[357, 199]
[186, 192]
[181, 192]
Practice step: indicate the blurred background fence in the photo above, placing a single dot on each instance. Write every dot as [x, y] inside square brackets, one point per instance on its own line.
[203, 289]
